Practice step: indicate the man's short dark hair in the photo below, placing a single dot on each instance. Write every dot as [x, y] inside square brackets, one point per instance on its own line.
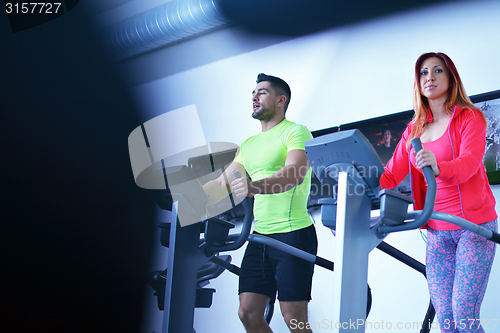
[279, 85]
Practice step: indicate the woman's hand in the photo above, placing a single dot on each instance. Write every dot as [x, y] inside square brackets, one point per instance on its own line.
[427, 158]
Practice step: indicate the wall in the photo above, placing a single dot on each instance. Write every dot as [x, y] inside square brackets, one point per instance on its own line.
[337, 76]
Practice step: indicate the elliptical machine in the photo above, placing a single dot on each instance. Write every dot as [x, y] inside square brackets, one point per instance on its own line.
[192, 261]
[347, 160]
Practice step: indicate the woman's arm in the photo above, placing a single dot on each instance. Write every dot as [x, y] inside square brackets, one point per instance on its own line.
[469, 153]
[397, 167]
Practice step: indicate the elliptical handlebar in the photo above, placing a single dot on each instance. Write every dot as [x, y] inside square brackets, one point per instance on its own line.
[428, 211]
[429, 199]
[245, 230]
[495, 237]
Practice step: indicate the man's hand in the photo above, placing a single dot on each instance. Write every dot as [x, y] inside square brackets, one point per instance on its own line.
[218, 189]
[242, 187]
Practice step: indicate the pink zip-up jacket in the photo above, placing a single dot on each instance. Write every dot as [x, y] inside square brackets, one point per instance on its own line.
[467, 134]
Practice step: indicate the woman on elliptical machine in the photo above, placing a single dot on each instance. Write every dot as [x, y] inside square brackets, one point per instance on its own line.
[453, 135]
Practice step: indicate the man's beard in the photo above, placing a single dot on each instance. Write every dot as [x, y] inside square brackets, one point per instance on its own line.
[263, 114]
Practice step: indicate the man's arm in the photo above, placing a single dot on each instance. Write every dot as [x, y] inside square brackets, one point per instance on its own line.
[286, 178]
[218, 188]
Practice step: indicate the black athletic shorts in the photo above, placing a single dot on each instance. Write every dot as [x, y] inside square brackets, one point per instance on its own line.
[265, 270]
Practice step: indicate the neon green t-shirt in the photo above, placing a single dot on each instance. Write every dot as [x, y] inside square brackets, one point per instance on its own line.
[264, 154]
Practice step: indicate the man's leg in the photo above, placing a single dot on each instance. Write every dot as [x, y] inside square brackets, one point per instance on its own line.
[257, 287]
[294, 277]
[295, 315]
[251, 312]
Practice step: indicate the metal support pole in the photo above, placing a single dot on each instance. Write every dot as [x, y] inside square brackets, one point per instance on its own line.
[182, 266]
[355, 240]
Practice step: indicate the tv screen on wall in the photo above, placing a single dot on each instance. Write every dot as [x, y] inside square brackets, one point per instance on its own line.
[384, 133]
[490, 104]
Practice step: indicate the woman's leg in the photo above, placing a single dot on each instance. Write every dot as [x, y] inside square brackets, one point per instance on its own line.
[475, 256]
[440, 269]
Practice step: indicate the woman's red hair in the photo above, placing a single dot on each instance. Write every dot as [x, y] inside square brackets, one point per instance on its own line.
[456, 94]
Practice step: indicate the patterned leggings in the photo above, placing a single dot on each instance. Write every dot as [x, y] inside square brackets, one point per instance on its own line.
[458, 265]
